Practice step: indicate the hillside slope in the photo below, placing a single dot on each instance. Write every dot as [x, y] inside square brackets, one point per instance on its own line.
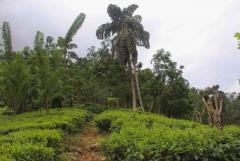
[136, 136]
[37, 136]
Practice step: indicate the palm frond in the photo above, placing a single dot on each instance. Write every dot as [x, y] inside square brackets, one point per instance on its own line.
[105, 31]
[71, 46]
[128, 12]
[49, 39]
[141, 36]
[75, 27]
[72, 55]
[114, 12]
[237, 35]
[138, 18]
[142, 39]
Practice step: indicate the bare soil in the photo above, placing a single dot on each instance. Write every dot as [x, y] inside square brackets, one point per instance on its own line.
[85, 146]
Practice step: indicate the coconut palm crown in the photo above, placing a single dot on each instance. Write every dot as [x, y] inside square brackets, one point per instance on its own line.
[126, 32]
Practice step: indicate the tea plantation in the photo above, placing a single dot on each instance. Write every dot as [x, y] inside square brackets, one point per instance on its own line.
[36, 136]
[149, 137]
[127, 136]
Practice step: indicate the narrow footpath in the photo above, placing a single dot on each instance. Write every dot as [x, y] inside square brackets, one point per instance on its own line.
[88, 146]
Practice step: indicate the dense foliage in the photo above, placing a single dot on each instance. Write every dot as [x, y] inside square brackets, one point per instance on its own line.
[38, 77]
[52, 75]
[152, 137]
[37, 135]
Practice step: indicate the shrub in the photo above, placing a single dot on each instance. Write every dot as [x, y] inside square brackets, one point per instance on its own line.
[94, 108]
[149, 137]
[37, 136]
[56, 118]
[31, 152]
[50, 138]
[104, 125]
[5, 158]
[8, 111]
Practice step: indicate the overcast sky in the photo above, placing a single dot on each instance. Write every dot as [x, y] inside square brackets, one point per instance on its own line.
[198, 33]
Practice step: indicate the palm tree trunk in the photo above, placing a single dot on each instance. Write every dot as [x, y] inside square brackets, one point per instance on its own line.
[138, 88]
[133, 92]
[134, 101]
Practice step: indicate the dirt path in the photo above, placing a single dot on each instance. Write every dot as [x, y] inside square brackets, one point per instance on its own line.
[88, 147]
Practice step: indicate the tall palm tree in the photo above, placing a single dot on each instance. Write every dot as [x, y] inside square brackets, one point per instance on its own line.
[7, 40]
[38, 43]
[6, 34]
[66, 41]
[126, 32]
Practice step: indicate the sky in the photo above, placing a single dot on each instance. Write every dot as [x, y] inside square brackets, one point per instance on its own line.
[198, 33]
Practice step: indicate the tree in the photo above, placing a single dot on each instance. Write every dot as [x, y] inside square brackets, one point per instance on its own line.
[213, 100]
[15, 78]
[1, 49]
[172, 90]
[46, 67]
[237, 35]
[1, 45]
[7, 40]
[110, 74]
[149, 88]
[126, 32]
[66, 41]
[50, 45]
[232, 110]
[38, 41]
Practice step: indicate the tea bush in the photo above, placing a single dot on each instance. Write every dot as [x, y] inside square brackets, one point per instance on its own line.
[8, 111]
[94, 108]
[148, 137]
[37, 136]
[67, 119]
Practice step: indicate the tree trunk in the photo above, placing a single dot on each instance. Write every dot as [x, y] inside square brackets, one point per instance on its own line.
[134, 102]
[138, 88]
[131, 70]
[151, 106]
[47, 104]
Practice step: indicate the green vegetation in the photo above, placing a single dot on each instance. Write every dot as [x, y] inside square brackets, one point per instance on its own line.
[149, 137]
[126, 33]
[237, 36]
[37, 135]
[50, 74]
[94, 108]
[38, 83]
